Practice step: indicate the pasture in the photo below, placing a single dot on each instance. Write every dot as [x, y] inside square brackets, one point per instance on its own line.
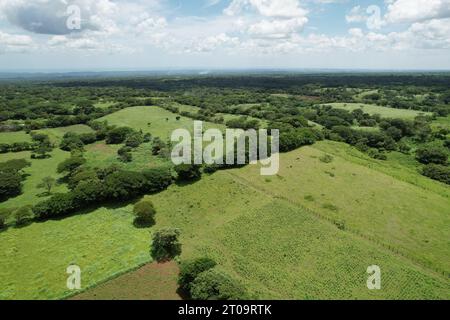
[384, 112]
[304, 234]
[12, 137]
[39, 169]
[104, 243]
[155, 120]
[56, 134]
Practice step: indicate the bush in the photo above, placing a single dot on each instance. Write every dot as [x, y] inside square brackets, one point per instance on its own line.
[134, 140]
[294, 139]
[165, 245]
[188, 172]
[58, 205]
[157, 179]
[437, 172]
[10, 184]
[216, 285]
[23, 216]
[427, 155]
[189, 270]
[118, 135]
[144, 212]
[71, 164]
[124, 185]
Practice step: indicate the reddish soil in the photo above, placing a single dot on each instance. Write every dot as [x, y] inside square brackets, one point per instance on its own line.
[154, 281]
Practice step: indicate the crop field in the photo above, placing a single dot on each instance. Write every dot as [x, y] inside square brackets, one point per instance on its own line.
[382, 111]
[155, 120]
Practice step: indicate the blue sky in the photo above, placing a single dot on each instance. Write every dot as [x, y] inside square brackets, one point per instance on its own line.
[207, 34]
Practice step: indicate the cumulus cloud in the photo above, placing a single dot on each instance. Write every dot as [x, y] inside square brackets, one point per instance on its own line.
[15, 43]
[267, 8]
[51, 16]
[401, 11]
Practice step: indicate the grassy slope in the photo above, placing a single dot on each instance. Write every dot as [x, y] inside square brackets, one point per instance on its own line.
[411, 219]
[103, 243]
[276, 246]
[56, 134]
[38, 170]
[383, 111]
[281, 250]
[11, 137]
[102, 155]
[140, 117]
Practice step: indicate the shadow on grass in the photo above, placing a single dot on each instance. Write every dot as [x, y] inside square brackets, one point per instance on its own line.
[185, 183]
[184, 295]
[142, 224]
[110, 205]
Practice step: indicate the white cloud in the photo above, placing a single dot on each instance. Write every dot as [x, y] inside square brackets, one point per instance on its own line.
[15, 43]
[267, 8]
[400, 11]
[356, 15]
[277, 28]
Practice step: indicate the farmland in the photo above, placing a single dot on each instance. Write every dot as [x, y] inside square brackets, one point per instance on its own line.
[354, 189]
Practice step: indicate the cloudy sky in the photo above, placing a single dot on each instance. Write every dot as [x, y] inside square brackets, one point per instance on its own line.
[161, 34]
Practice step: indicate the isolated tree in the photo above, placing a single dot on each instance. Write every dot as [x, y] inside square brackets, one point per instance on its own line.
[47, 183]
[144, 212]
[166, 245]
[190, 269]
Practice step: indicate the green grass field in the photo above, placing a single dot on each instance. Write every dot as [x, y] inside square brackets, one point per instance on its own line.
[103, 243]
[155, 120]
[39, 169]
[382, 111]
[286, 243]
[56, 134]
[101, 155]
[11, 137]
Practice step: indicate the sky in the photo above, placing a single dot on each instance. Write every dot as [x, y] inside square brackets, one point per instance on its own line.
[115, 35]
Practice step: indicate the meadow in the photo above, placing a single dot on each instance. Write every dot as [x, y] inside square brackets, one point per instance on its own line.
[155, 120]
[384, 112]
[309, 256]
[12, 137]
[39, 169]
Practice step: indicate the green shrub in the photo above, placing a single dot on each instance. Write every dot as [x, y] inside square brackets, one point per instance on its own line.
[326, 158]
[144, 212]
[427, 155]
[190, 269]
[166, 245]
[23, 216]
[188, 172]
[216, 285]
[437, 172]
